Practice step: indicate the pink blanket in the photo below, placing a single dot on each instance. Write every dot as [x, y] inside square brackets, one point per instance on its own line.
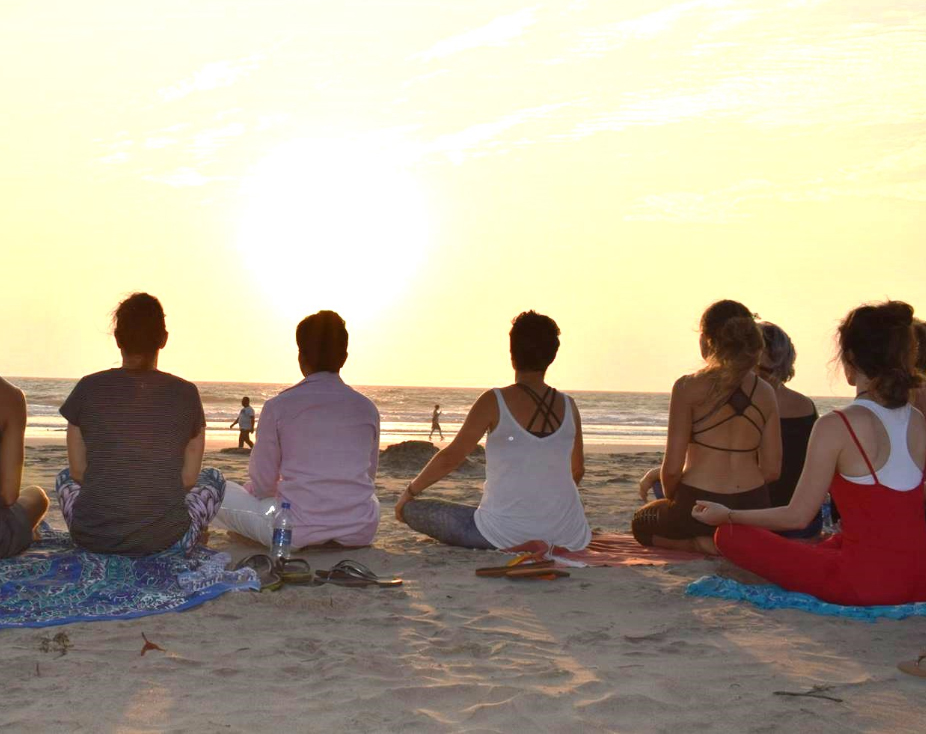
[607, 549]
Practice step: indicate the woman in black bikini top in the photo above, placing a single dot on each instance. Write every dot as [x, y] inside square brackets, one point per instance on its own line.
[730, 451]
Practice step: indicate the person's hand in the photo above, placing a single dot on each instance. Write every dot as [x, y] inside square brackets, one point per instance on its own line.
[647, 482]
[232, 425]
[710, 513]
[404, 499]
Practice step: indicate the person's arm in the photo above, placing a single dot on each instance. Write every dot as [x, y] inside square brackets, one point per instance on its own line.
[234, 422]
[77, 453]
[12, 448]
[770, 447]
[266, 457]
[481, 418]
[826, 442]
[193, 459]
[374, 450]
[578, 448]
[679, 434]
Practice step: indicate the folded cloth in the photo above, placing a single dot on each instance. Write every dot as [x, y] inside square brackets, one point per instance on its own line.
[769, 596]
[55, 582]
[606, 549]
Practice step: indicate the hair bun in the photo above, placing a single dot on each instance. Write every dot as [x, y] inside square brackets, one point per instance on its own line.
[896, 314]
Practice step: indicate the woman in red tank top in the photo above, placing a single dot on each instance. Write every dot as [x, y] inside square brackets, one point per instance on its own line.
[871, 458]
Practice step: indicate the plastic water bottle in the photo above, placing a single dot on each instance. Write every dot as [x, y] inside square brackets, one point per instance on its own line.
[282, 533]
[826, 510]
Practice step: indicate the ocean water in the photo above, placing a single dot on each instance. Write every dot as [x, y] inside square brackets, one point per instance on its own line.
[607, 417]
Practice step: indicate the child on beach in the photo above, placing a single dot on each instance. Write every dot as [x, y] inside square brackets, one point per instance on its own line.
[534, 459]
[21, 510]
[724, 439]
[872, 458]
[317, 448]
[135, 441]
[245, 423]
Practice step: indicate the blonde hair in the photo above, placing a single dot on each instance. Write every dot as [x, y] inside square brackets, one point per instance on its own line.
[734, 345]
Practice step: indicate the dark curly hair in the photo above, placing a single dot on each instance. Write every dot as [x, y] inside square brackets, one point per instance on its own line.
[138, 324]
[322, 341]
[879, 340]
[534, 340]
[919, 328]
[734, 344]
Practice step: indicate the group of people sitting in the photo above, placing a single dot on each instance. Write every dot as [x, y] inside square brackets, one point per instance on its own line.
[747, 462]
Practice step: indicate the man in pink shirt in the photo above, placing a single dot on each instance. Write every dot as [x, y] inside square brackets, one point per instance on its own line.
[317, 448]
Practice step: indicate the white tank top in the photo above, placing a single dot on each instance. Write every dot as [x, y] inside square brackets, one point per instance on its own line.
[529, 491]
[899, 472]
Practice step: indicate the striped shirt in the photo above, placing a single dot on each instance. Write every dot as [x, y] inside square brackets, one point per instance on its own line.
[136, 425]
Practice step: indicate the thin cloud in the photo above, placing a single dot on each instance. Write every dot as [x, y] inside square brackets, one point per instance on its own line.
[498, 32]
[182, 178]
[212, 76]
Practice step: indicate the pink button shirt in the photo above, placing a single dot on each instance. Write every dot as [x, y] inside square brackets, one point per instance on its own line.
[318, 448]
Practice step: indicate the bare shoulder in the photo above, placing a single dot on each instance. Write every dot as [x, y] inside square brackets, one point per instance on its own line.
[12, 400]
[691, 388]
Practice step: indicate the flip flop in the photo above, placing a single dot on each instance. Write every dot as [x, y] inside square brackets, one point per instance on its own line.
[913, 667]
[353, 573]
[495, 572]
[270, 579]
[295, 571]
[545, 574]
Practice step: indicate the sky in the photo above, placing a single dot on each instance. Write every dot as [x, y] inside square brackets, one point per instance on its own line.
[431, 168]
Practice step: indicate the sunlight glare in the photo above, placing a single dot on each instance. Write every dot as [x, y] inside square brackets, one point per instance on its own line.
[331, 223]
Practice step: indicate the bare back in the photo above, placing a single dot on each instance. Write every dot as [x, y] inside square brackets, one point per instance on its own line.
[732, 444]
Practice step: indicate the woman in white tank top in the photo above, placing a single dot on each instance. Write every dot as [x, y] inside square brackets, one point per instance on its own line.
[534, 459]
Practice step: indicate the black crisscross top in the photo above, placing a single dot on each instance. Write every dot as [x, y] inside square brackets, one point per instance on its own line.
[740, 402]
[544, 410]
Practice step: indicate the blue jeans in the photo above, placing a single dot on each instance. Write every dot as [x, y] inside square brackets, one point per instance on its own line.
[448, 522]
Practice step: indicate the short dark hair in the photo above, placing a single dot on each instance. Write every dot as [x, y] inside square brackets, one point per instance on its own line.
[322, 341]
[139, 325]
[534, 340]
[245, 401]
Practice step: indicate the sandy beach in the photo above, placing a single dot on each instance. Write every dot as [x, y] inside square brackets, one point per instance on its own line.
[608, 649]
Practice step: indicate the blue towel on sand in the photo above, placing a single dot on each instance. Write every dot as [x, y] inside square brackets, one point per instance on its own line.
[55, 582]
[769, 596]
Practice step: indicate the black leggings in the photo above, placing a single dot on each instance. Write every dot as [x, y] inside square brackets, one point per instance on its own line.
[672, 518]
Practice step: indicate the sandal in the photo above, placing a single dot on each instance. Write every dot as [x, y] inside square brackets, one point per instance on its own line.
[353, 573]
[526, 572]
[263, 565]
[496, 572]
[295, 571]
[913, 667]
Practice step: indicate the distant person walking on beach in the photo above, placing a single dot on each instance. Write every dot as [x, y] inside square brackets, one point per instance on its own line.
[20, 510]
[435, 423]
[245, 421]
[317, 448]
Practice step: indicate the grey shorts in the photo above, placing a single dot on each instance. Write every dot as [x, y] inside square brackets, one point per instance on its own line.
[15, 531]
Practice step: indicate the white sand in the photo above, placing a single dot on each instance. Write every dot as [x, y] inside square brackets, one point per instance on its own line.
[606, 650]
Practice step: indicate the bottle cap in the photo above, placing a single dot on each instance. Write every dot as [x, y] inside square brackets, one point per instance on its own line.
[286, 506]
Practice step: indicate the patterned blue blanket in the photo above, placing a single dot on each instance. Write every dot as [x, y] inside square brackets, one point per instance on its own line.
[56, 583]
[769, 596]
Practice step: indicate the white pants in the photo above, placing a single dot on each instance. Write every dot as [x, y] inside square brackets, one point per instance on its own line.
[242, 513]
